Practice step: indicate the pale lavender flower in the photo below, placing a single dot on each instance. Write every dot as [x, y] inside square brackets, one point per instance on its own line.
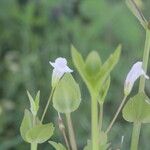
[135, 72]
[60, 67]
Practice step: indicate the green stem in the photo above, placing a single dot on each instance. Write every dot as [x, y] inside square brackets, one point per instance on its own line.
[46, 107]
[135, 135]
[71, 132]
[94, 117]
[62, 129]
[101, 117]
[145, 60]
[116, 115]
[33, 146]
[137, 126]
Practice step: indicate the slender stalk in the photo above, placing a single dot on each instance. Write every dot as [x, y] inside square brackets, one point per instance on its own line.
[145, 60]
[66, 139]
[62, 129]
[94, 119]
[71, 132]
[135, 135]
[47, 104]
[33, 146]
[137, 126]
[101, 117]
[116, 115]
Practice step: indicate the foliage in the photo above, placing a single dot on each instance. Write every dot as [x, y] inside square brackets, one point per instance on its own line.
[33, 32]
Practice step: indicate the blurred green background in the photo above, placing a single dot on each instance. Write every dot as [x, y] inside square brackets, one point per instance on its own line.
[32, 32]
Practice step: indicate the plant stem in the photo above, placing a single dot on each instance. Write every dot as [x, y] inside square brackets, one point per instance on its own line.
[135, 135]
[71, 132]
[46, 107]
[62, 129]
[101, 117]
[33, 146]
[137, 126]
[94, 119]
[145, 60]
[116, 115]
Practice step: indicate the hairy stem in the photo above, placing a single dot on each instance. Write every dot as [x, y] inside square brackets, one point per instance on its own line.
[71, 132]
[62, 129]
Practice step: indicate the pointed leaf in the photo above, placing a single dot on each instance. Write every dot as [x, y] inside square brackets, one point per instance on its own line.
[40, 133]
[104, 91]
[67, 96]
[32, 104]
[37, 99]
[137, 109]
[57, 146]
[80, 65]
[107, 67]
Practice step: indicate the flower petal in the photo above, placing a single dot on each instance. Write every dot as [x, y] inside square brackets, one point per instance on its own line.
[135, 72]
[60, 67]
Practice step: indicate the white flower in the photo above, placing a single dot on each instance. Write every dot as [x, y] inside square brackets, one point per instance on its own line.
[135, 72]
[60, 67]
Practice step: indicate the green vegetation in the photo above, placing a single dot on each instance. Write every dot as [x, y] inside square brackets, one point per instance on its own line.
[32, 32]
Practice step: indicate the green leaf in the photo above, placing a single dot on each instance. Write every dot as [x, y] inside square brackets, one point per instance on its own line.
[137, 12]
[104, 91]
[106, 68]
[137, 109]
[93, 63]
[40, 133]
[67, 96]
[26, 124]
[34, 104]
[57, 146]
[99, 72]
[37, 100]
[80, 65]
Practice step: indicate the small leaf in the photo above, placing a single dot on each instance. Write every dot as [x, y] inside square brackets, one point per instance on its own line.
[57, 146]
[80, 65]
[26, 124]
[104, 91]
[67, 96]
[137, 12]
[40, 133]
[137, 109]
[107, 67]
[37, 99]
[93, 63]
[34, 104]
